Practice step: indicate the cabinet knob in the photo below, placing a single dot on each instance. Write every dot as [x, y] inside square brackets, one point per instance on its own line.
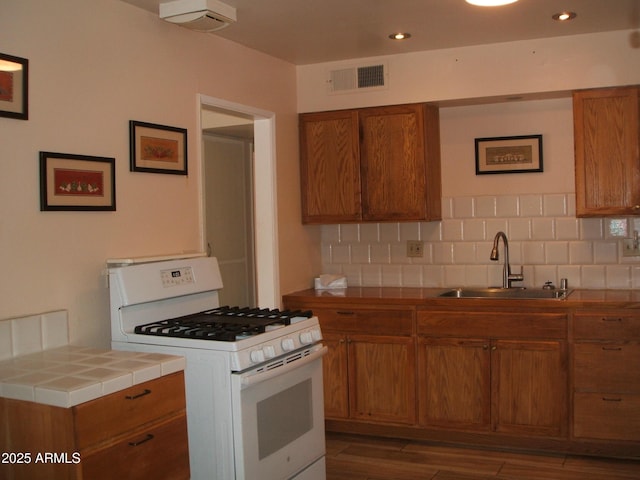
[494, 348]
[636, 207]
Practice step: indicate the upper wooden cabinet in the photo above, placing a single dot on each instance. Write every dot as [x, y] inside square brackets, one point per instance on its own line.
[607, 151]
[373, 164]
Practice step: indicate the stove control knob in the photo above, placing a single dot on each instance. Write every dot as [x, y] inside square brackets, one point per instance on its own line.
[306, 338]
[288, 344]
[257, 356]
[316, 334]
[269, 351]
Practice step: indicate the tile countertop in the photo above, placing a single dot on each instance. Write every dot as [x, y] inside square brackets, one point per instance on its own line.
[69, 375]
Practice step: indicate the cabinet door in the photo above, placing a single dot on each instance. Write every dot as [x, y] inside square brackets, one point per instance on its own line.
[529, 387]
[334, 369]
[607, 139]
[394, 164]
[454, 383]
[382, 378]
[330, 167]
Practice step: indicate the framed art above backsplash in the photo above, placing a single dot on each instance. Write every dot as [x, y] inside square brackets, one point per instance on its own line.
[521, 154]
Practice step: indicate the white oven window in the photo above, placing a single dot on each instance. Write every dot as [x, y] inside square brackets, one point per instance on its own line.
[278, 426]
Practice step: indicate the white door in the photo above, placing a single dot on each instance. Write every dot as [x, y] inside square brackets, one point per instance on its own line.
[229, 215]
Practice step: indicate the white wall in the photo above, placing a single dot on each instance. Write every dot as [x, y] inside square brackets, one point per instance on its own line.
[497, 70]
[95, 65]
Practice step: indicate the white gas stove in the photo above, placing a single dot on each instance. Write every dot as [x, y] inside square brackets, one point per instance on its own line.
[253, 376]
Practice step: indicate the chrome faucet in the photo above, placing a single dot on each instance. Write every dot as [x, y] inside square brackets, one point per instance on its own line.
[507, 276]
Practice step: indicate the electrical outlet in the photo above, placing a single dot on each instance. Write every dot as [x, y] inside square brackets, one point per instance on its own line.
[415, 248]
[629, 249]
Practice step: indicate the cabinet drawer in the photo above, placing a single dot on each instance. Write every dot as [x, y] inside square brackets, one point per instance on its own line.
[374, 322]
[607, 367]
[606, 416]
[607, 325]
[125, 410]
[492, 324]
[159, 452]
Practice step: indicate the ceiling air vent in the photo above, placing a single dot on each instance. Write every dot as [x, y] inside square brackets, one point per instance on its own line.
[352, 79]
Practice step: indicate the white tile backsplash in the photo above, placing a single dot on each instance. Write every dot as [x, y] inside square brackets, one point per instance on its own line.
[531, 205]
[544, 236]
[507, 206]
[485, 207]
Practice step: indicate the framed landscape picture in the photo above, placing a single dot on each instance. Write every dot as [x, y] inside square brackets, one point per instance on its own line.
[520, 154]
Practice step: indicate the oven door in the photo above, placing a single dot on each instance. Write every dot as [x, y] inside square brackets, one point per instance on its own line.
[278, 419]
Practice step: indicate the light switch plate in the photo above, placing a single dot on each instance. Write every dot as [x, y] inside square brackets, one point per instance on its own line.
[415, 248]
[628, 248]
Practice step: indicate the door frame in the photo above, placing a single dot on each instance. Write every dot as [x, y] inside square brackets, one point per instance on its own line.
[264, 196]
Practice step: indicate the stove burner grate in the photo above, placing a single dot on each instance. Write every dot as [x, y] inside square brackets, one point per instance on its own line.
[226, 324]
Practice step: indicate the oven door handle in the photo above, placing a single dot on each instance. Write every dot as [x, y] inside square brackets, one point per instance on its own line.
[250, 380]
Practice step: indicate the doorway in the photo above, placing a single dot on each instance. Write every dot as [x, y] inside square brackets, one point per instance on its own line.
[228, 180]
[248, 254]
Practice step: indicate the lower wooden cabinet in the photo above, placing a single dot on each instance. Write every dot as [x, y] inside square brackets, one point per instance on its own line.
[159, 451]
[529, 387]
[507, 382]
[455, 383]
[606, 375]
[381, 378]
[335, 376]
[559, 378]
[606, 416]
[136, 433]
[369, 371]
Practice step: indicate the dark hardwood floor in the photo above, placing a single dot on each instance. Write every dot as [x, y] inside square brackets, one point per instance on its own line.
[352, 457]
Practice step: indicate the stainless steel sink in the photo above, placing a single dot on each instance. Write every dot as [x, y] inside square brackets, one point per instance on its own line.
[512, 293]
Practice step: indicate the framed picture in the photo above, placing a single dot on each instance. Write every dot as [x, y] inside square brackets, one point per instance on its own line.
[14, 87]
[77, 182]
[509, 154]
[157, 148]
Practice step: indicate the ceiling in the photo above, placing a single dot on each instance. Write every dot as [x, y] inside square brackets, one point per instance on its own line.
[316, 31]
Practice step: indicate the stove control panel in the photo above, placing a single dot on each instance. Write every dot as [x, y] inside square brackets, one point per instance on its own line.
[267, 351]
[177, 276]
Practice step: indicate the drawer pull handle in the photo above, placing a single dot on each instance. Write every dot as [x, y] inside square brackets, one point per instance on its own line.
[140, 442]
[611, 319]
[612, 349]
[610, 399]
[133, 397]
[345, 312]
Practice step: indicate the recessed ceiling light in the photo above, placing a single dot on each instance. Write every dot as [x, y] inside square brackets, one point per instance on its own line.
[400, 36]
[564, 16]
[490, 3]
